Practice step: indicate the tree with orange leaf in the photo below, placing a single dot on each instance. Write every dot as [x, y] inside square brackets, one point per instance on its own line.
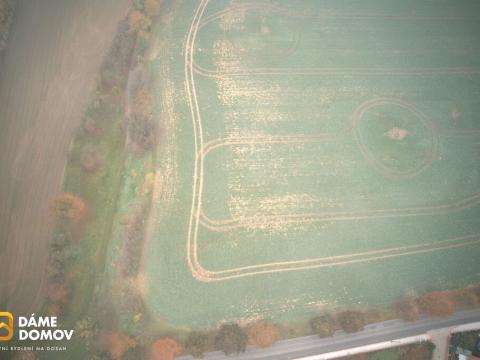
[164, 349]
[262, 334]
[70, 212]
[70, 207]
[118, 344]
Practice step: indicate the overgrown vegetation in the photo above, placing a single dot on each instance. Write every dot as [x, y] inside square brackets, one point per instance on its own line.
[409, 308]
[469, 340]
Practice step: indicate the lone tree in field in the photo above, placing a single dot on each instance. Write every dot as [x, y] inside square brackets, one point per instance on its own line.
[262, 334]
[323, 325]
[436, 304]
[351, 321]
[407, 309]
[197, 344]
[164, 349]
[231, 339]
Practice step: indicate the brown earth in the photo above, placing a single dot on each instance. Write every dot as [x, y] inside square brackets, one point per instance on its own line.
[54, 52]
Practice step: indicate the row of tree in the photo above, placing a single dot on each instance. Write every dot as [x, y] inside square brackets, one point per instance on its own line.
[349, 321]
[139, 124]
[437, 303]
[229, 338]
[232, 338]
[70, 214]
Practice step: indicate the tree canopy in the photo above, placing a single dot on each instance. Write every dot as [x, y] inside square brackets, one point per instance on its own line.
[262, 334]
[197, 344]
[118, 344]
[164, 349]
[351, 321]
[231, 339]
[323, 325]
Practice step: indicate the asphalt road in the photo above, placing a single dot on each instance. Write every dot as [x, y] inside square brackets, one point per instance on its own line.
[375, 333]
[47, 73]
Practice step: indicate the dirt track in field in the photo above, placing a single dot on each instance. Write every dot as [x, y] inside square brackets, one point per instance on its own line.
[47, 73]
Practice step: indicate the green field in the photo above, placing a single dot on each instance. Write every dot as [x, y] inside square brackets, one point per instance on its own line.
[313, 153]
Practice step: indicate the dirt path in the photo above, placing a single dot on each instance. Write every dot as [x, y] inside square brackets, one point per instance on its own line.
[48, 71]
[441, 339]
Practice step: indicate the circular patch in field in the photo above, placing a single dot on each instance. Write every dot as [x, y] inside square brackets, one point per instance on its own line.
[394, 137]
[263, 34]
